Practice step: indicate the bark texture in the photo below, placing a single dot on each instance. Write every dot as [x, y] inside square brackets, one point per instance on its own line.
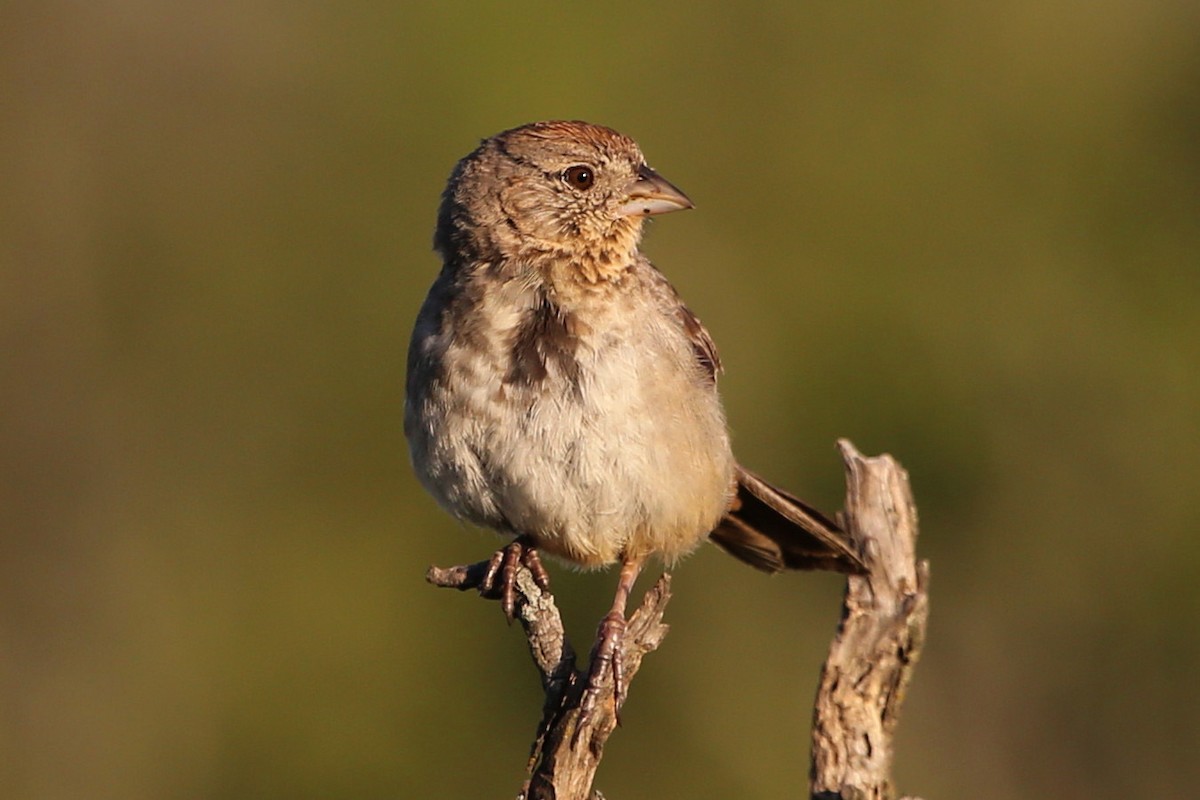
[872, 657]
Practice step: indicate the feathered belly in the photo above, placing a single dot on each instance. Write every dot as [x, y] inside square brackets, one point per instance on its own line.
[620, 463]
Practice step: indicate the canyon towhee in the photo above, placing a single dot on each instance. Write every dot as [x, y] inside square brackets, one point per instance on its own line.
[561, 392]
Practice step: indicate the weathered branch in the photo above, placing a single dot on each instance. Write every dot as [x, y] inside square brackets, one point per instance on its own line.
[565, 754]
[863, 683]
[872, 657]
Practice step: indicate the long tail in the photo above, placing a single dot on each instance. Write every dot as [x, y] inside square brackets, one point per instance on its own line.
[772, 530]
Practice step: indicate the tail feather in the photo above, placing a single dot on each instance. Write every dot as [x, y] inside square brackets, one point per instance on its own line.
[773, 530]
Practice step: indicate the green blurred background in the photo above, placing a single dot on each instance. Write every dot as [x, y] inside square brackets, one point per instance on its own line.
[965, 234]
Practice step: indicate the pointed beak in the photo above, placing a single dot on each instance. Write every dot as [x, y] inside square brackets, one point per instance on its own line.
[651, 193]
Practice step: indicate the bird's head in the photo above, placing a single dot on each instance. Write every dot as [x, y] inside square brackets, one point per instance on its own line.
[553, 190]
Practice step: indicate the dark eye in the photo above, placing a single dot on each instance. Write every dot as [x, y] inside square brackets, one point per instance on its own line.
[579, 176]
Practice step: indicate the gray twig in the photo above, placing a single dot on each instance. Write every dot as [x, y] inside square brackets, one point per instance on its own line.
[564, 757]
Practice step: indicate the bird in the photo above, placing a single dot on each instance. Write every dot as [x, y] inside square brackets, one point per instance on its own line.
[560, 392]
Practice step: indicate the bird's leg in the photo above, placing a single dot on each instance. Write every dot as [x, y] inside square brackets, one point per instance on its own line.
[606, 655]
[500, 580]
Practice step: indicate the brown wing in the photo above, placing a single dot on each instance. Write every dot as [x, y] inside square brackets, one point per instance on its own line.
[702, 344]
[703, 347]
[773, 530]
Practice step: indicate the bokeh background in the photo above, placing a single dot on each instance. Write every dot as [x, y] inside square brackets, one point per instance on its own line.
[966, 234]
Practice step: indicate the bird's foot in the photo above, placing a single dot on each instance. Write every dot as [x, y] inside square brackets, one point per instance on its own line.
[500, 580]
[606, 663]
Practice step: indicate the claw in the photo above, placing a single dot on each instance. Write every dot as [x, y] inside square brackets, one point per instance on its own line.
[500, 580]
[533, 562]
[606, 654]
[606, 662]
